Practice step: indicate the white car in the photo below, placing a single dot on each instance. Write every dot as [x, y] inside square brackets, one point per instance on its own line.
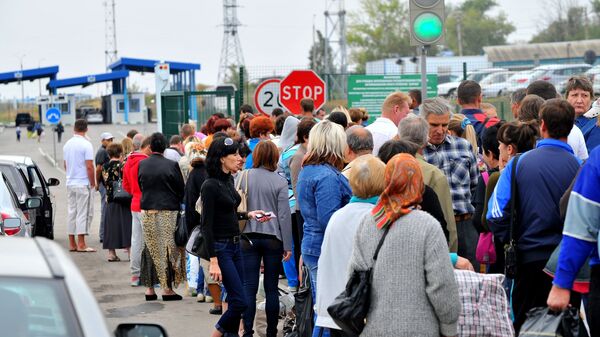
[42, 293]
[495, 84]
[449, 89]
[520, 80]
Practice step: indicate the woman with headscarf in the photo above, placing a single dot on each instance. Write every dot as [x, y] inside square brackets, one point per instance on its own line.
[413, 290]
[288, 134]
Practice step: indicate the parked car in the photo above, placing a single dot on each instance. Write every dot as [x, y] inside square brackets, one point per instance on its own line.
[31, 183]
[13, 221]
[94, 117]
[556, 74]
[495, 84]
[449, 89]
[23, 118]
[520, 80]
[46, 295]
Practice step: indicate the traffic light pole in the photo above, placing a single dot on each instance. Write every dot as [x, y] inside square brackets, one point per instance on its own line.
[424, 49]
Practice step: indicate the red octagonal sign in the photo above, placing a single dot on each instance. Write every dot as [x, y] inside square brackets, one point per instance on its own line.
[300, 84]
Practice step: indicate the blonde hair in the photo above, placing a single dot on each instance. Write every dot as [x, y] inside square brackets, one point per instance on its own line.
[464, 130]
[393, 99]
[127, 146]
[367, 176]
[326, 145]
[344, 111]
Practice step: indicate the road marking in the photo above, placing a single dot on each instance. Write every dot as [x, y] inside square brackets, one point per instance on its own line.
[51, 161]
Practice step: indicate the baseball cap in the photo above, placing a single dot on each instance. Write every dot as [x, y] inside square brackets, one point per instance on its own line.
[594, 111]
[106, 136]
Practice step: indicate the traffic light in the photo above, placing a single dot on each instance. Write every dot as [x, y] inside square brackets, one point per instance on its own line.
[427, 19]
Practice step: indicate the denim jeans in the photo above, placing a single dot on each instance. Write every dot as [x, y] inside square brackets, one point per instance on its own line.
[467, 241]
[230, 260]
[312, 262]
[270, 251]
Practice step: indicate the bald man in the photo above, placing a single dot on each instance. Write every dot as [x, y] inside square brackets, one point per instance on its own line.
[360, 142]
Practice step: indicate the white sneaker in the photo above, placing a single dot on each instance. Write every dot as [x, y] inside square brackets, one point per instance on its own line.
[200, 297]
[208, 299]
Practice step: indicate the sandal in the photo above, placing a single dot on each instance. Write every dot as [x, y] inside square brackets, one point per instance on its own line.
[86, 250]
[114, 259]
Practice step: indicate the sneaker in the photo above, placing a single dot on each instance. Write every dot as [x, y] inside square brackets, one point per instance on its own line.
[216, 311]
[135, 281]
[208, 299]
[200, 297]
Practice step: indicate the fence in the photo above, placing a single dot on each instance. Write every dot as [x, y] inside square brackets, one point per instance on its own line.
[448, 70]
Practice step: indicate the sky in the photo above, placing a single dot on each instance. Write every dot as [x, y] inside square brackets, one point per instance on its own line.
[276, 35]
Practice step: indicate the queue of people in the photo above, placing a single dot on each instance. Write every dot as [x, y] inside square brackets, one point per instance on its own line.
[274, 193]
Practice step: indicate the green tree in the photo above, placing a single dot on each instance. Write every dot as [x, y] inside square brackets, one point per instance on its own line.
[571, 23]
[316, 58]
[378, 30]
[478, 28]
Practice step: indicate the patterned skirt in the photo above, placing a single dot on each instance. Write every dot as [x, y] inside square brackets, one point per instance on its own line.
[161, 258]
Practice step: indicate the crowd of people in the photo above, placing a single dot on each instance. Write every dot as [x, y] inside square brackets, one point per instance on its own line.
[274, 193]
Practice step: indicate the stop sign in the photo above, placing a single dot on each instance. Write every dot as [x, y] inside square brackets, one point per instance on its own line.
[300, 84]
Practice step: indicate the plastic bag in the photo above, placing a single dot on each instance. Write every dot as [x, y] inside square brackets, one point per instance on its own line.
[541, 322]
[304, 306]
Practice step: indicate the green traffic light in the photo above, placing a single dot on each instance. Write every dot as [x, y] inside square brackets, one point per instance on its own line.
[428, 27]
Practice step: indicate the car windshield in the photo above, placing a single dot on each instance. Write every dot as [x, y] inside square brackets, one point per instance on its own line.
[36, 307]
[15, 179]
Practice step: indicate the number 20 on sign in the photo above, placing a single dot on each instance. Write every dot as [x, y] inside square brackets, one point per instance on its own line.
[266, 96]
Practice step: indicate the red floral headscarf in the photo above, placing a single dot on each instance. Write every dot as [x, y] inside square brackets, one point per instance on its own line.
[404, 181]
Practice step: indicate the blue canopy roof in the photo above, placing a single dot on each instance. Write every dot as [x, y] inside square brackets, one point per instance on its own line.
[88, 80]
[147, 66]
[29, 74]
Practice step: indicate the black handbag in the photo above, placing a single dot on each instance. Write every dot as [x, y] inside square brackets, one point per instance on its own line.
[510, 250]
[119, 194]
[181, 231]
[350, 308]
[196, 245]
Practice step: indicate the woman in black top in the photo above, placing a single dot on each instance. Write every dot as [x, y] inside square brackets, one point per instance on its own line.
[117, 233]
[221, 230]
[162, 189]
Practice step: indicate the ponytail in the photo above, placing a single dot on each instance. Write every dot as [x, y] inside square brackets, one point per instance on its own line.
[462, 127]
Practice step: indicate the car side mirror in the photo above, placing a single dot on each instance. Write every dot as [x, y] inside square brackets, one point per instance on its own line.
[33, 202]
[140, 329]
[53, 182]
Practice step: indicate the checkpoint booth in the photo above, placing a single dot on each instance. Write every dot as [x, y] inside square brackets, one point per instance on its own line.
[113, 106]
[66, 104]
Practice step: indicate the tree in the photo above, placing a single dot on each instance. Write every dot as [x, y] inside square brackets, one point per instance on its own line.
[478, 29]
[378, 30]
[317, 60]
[570, 22]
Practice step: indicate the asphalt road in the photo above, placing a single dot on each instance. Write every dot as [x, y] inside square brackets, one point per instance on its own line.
[109, 281]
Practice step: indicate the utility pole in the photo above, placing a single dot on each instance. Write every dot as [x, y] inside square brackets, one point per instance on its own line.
[459, 32]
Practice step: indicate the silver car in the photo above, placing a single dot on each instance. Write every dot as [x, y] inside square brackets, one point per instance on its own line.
[13, 221]
[449, 89]
[495, 84]
[43, 294]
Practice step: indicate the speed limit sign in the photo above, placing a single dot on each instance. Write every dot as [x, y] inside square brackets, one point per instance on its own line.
[266, 96]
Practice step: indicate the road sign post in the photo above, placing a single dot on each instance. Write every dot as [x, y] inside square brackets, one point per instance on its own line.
[53, 116]
[300, 84]
[266, 96]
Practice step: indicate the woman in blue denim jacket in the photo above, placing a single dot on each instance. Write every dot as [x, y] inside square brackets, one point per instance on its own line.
[321, 189]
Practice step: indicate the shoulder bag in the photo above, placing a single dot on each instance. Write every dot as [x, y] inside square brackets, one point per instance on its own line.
[181, 231]
[350, 308]
[119, 194]
[510, 250]
[243, 192]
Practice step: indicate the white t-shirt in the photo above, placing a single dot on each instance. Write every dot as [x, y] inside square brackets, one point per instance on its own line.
[577, 143]
[75, 152]
[382, 129]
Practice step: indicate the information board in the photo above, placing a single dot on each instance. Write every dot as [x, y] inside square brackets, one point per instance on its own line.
[369, 91]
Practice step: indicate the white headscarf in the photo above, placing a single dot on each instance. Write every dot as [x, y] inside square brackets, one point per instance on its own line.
[288, 134]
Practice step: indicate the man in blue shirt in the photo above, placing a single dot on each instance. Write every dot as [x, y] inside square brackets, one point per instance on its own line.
[469, 98]
[580, 241]
[542, 177]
